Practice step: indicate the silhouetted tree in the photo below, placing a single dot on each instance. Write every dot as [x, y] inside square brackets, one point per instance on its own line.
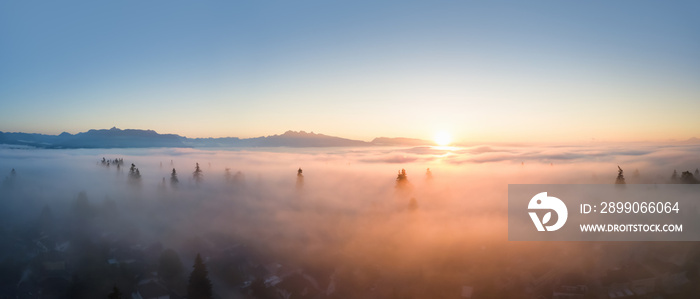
[134, 174]
[173, 179]
[674, 176]
[401, 178]
[620, 177]
[300, 178]
[402, 175]
[119, 162]
[688, 178]
[115, 294]
[199, 286]
[197, 174]
[697, 172]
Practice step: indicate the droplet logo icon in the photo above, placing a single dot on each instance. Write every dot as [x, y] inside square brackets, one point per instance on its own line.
[543, 202]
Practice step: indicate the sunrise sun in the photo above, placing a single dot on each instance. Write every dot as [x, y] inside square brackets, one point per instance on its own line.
[442, 138]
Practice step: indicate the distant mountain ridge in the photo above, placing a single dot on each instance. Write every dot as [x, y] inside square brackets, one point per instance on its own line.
[134, 138]
[112, 138]
[289, 138]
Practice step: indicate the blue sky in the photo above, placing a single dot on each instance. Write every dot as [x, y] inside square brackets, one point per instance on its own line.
[483, 71]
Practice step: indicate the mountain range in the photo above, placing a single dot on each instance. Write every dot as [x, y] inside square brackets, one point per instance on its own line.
[131, 138]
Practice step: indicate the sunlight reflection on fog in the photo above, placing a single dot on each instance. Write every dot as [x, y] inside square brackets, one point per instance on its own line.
[443, 228]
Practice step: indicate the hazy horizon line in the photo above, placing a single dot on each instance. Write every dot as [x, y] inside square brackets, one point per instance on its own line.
[692, 139]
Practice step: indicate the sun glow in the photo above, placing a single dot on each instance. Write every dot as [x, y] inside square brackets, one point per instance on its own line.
[443, 138]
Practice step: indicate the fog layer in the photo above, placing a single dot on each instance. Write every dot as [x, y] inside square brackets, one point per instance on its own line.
[344, 224]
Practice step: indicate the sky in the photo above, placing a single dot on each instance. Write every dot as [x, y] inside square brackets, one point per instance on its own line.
[491, 71]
